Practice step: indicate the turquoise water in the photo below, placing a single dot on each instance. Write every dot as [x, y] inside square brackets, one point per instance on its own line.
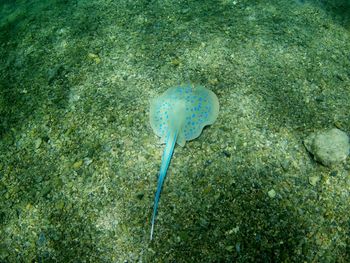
[79, 161]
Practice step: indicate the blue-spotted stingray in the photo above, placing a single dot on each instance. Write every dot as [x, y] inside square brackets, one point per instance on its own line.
[177, 116]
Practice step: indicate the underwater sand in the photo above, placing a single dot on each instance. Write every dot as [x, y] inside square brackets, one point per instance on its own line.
[79, 161]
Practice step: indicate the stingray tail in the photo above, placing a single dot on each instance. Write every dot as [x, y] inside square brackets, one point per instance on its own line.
[168, 152]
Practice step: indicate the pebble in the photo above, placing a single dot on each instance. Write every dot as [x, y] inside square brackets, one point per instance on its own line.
[95, 58]
[78, 164]
[272, 193]
[87, 161]
[313, 180]
[38, 143]
[60, 205]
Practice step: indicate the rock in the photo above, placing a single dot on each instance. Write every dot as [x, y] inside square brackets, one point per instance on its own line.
[328, 147]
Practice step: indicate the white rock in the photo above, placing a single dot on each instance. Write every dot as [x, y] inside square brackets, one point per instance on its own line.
[328, 147]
